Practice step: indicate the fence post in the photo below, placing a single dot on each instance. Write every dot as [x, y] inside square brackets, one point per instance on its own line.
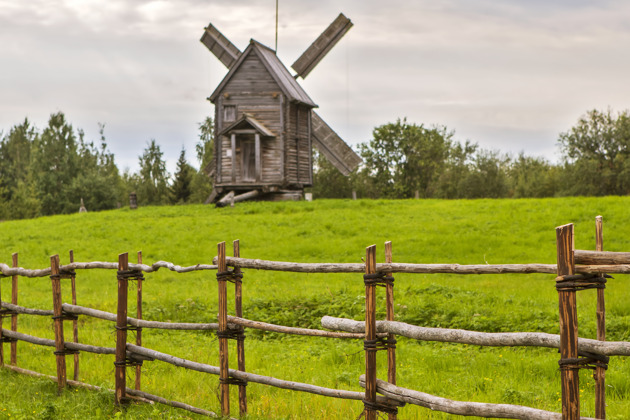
[569, 372]
[600, 372]
[240, 342]
[139, 330]
[223, 342]
[121, 329]
[75, 322]
[60, 354]
[2, 338]
[14, 300]
[370, 336]
[391, 338]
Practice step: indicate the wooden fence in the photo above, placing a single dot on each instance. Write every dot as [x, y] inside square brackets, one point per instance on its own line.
[575, 270]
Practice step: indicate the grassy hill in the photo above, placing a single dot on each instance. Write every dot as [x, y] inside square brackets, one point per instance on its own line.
[422, 231]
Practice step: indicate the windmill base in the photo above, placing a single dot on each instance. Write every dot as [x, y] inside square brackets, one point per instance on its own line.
[228, 198]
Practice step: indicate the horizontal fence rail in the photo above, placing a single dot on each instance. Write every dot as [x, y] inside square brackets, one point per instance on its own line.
[620, 266]
[251, 377]
[292, 330]
[447, 335]
[578, 270]
[294, 267]
[44, 272]
[141, 323]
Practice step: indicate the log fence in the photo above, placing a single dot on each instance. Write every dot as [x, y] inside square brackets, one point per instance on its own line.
[575, 270]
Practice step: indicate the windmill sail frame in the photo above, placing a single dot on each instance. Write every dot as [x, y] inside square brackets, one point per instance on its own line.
[321, 46]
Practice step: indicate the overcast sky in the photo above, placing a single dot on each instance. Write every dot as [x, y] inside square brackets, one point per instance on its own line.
[509, 75]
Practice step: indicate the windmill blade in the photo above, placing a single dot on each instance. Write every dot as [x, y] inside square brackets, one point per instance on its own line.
[220, 46]
[324, 43]
[332, 146]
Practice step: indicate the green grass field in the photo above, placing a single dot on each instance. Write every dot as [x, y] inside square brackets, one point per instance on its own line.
[422, 231]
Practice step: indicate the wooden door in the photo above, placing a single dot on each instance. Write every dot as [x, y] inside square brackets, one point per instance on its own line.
[248, 160]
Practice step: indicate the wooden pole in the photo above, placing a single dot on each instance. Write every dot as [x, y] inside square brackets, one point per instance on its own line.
[600, 372]
[75, 322]
[240, 344]
[223, 326]
[1, 327]
[58, 322]
[121, 330]
[391, 350]
[139, 331]
[568, 326]
[14, 300]
[370, 334]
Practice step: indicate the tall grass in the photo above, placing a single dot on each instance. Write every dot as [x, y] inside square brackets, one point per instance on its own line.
[422, 231]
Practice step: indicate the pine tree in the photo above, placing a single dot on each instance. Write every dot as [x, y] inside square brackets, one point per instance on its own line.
[180, 190]
[153, 185]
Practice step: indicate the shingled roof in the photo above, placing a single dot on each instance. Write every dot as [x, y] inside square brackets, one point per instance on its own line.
[274, 66]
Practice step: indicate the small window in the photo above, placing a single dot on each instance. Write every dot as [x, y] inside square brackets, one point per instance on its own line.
[229, 113]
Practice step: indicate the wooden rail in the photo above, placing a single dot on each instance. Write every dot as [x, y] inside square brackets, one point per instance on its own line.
[447, 335]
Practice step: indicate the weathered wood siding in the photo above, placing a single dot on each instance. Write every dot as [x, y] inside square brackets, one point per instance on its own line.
[304, 147]
[226, 161]
[298, 166]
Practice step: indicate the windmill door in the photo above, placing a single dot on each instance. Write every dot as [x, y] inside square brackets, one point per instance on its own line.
[248, 159]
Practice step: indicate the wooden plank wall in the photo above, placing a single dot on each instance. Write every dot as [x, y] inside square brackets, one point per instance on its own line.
[298, 150]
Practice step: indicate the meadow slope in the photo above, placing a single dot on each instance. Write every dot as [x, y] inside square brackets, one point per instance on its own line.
[422, 231]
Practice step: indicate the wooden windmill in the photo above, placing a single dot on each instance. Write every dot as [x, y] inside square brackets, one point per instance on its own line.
[265, 125]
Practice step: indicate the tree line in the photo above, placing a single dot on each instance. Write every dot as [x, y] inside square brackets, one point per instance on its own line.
[49, 171]
[406, 160]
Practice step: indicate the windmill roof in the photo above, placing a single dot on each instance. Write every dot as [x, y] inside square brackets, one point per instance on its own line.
[278, 71]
